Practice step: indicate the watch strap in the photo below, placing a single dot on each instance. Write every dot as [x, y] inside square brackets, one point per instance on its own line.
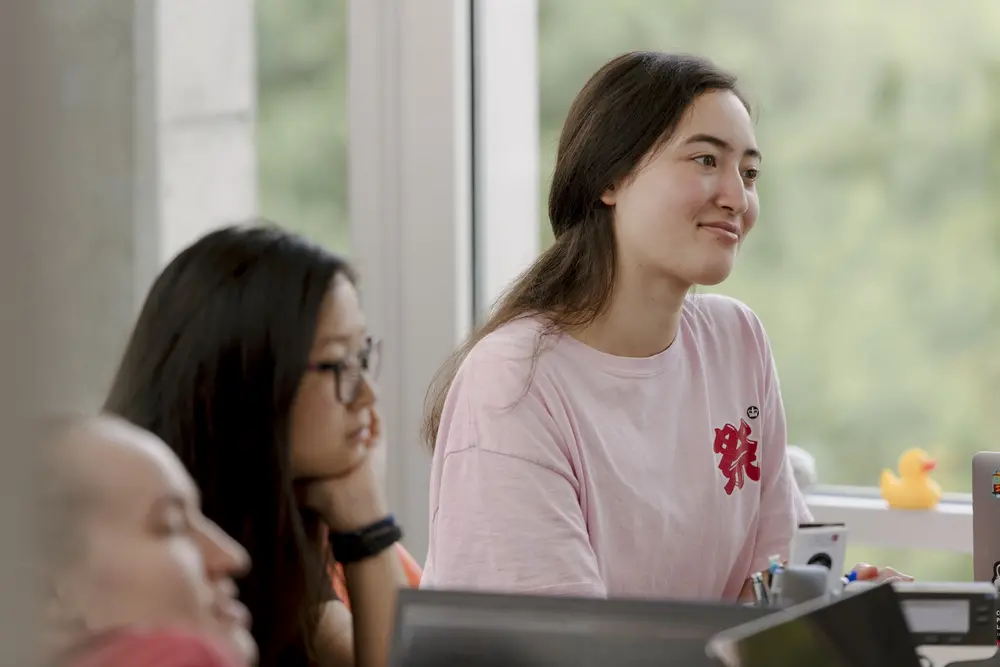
[357, 545]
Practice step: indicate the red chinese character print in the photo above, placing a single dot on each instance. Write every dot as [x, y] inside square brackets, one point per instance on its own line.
[739, 455]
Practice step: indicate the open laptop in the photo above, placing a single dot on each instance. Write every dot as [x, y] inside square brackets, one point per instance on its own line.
[986, 516]
[485, 629]
[866, 629]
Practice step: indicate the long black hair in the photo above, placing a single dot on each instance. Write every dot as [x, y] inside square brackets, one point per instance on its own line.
[212, 368]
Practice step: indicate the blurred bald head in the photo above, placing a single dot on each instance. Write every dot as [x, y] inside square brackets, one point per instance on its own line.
[65, 492]
[127, 541]
[86, 459]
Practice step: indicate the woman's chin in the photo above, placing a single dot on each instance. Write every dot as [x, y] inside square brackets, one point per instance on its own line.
[713, 273]
[348, 459]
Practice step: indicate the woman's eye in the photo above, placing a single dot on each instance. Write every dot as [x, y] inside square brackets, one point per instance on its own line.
[750, 174]
[705, 160]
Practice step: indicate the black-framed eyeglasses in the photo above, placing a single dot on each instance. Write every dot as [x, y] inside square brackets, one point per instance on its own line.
[347, 374]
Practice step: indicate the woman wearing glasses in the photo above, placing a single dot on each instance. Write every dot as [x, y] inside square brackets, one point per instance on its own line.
[251, 359]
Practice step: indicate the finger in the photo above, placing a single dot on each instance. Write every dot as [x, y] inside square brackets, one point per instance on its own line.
[886, 572]
[866, 572]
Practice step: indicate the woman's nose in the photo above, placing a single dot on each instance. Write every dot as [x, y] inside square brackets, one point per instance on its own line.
[367, 392]
[732, 194]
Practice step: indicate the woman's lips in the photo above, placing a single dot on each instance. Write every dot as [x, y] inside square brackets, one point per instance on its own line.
[363, 433]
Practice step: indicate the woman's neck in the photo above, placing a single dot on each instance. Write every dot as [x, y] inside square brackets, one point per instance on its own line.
[642, 318]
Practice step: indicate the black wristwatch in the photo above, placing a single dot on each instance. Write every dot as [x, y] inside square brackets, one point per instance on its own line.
[366, 542]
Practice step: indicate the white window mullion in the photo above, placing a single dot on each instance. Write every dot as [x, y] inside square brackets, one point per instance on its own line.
[409, 171]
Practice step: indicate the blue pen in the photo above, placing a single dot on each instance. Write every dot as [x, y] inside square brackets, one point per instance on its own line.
[848, 578]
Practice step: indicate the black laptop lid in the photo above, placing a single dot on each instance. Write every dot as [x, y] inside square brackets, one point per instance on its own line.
[482, 630]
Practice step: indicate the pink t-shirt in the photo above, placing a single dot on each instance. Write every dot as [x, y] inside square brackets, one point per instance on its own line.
[663, 476]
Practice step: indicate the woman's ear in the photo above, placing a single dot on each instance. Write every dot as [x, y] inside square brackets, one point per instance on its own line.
[610, 196]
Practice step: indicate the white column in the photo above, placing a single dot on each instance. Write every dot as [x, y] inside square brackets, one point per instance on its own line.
[23, 56]
[410, 152]
[149, 143]
[506, 144]
[115, 147]
[94, 190]
[205, 117]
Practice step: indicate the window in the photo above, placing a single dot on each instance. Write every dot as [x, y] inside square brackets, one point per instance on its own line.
[302, 117]
[875, 264]
[928, 545]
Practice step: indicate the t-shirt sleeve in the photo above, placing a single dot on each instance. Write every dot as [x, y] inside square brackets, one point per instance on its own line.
[331, 585]
[505, 507]
[782, 504]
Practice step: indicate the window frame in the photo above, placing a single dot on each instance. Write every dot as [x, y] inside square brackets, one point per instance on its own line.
[409, 171]
[870, 522]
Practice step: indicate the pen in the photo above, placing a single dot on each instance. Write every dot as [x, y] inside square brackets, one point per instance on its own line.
[759, 590]
[849, 577]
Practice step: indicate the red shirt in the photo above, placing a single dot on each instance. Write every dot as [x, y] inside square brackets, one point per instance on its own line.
[160, 648]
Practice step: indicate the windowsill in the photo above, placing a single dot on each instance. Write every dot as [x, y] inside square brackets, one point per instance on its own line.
[871, 522]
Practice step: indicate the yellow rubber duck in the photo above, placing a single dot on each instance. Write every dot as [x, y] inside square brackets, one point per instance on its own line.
[913, 489]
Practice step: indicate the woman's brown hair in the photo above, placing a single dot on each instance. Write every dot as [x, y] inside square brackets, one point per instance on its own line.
[628, 109]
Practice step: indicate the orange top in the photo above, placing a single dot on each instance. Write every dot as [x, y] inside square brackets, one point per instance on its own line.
[410, 568]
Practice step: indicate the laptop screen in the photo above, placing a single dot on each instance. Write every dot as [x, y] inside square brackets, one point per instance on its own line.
[986, 516]
[866, 629]
[479, 630]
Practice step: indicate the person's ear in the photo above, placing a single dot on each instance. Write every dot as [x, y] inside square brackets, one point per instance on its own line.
[610, 196]
[61, 605]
